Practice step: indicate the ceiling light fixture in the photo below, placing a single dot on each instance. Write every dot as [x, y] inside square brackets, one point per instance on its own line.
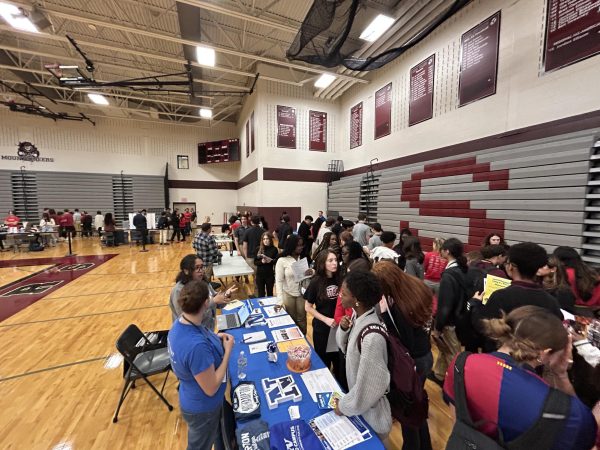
[205, 56]
[206, 113]
[324, 80]
[98, 99]
[17, 18]
[377, 27]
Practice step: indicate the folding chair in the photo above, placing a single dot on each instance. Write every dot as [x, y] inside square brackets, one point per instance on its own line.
[109, 238]
[142, 358]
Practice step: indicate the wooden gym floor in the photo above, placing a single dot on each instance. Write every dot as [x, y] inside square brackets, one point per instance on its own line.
[60, 376]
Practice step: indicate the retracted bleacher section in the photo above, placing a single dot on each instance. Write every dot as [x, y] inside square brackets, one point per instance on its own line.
[533, 191]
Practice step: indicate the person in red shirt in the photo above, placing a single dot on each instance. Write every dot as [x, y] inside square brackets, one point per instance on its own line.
[584, 280]
[67, 223]
[434, 265]
[12, 221]
[187, 227]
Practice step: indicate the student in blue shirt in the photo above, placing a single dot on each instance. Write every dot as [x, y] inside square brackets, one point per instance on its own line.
[199, 358]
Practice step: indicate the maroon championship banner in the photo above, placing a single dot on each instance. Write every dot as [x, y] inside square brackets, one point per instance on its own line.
[286, 127]
[479, 61]
[356, 114]
[420, 106]
[383, 111]
[572, 32]
[317, 131]
[252, 146]
[247, 138]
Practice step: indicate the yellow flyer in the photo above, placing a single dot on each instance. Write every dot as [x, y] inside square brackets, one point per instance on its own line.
[493, 284]
[283, 346]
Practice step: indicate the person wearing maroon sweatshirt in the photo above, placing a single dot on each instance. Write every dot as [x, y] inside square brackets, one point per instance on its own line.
[67, 223]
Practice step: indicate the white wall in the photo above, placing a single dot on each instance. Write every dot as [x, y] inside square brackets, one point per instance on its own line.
[523, 97]
[209, 202]
[111, 146]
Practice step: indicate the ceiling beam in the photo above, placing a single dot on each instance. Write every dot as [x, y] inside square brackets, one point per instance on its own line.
[105, 93]
[240, 15]
[177, 40]
[91, 105]
[173, 60]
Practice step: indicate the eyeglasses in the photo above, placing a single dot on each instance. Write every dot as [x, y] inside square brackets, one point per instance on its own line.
[198, 268]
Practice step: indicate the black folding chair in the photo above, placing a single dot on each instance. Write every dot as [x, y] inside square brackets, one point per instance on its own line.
[143, 357]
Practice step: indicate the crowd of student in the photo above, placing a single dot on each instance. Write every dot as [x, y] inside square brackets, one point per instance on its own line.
[519, 353]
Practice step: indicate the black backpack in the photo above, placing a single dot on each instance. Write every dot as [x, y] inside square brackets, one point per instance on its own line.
[409, 402]
[541, 435]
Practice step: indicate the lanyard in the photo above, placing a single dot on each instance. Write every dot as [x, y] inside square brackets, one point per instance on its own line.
[203, 333]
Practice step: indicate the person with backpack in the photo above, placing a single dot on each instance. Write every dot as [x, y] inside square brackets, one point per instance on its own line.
[499, 400]
[406, 311]
[367, 366]
[451, 304]
[493, 257]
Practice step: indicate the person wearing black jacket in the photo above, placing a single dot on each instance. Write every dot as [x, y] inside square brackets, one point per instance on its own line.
[141, 225]
[451, 302]
[409, 303]
[304, 231]
[265, 260]
[176, 229]
[524, 260]
[163, 227]
[283, 231]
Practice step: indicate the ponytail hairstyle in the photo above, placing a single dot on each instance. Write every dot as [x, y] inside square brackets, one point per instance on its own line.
[527, 331]
[456, 248]
[187, 265]
[586, 278]
[437, 244]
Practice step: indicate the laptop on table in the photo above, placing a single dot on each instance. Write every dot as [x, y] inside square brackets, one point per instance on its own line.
[234, 320]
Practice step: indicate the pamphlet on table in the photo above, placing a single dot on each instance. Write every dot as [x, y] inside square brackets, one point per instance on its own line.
[320, 380]
[268, 301]
[287, 334]
[339, 432]
[281, 321]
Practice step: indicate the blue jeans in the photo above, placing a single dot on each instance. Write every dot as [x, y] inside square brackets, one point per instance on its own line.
[204, 430]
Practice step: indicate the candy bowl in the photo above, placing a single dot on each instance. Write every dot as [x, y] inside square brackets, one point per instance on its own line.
[299, 358]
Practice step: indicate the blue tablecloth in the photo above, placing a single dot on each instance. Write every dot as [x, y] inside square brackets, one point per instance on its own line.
[259, 368]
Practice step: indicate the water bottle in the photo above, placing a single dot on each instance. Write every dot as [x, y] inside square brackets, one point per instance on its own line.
[242, 363]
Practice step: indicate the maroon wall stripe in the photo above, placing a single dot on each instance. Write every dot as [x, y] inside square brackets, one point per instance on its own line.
[201, 184]
[451, 164]
[315, 176]
[554, 128]
[248, 179]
